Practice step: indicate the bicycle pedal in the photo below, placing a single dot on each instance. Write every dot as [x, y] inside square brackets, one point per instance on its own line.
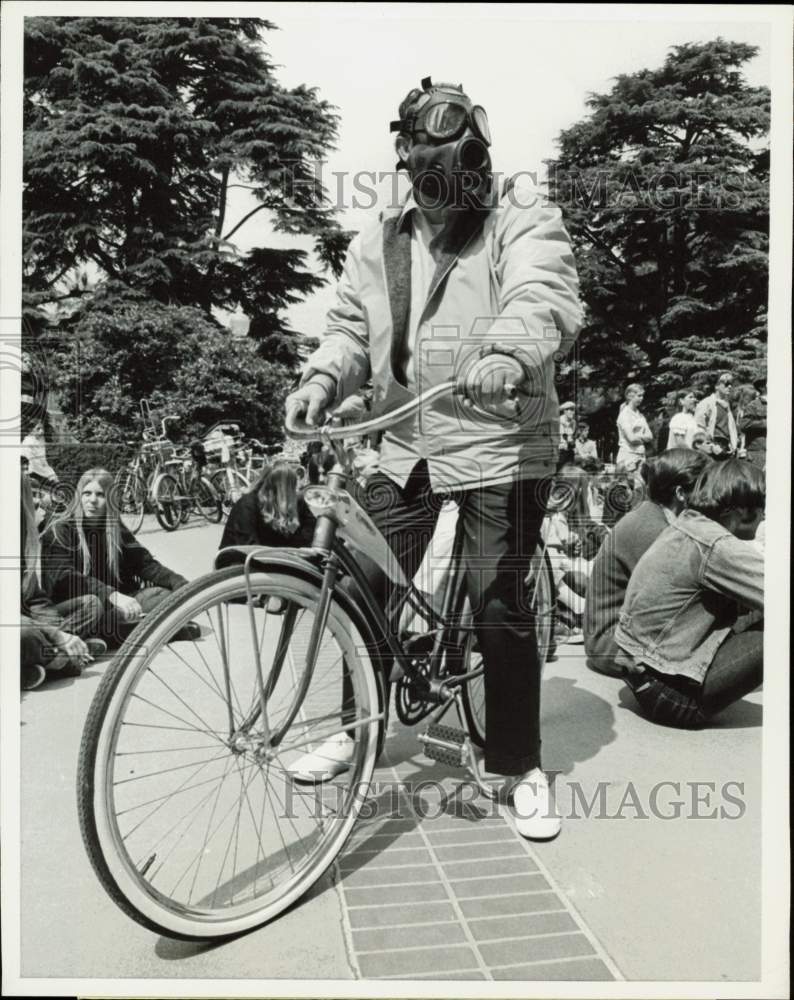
[445, 744]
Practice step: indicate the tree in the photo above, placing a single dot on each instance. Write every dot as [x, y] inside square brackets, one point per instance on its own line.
[136, 132]
[122, 346]
[664, 187]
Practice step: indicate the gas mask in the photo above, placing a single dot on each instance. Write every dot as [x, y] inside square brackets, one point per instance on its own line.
[449, 163]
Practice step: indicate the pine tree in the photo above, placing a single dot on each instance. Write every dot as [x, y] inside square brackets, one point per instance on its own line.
[664, 187]
[136, 132]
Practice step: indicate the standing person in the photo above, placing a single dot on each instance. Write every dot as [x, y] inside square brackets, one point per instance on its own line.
[683, 425]
[633, 430]
[567, 433]
[752, 424]
[686, 654]
[585, 451]
[715, 419]
[452, 252]
[671, 478]
[87, 550]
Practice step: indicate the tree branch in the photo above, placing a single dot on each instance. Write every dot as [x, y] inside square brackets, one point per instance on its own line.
[222, 201]
[242, 221]
[626, 268]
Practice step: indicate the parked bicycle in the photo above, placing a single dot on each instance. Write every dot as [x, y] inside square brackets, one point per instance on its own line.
[191, 810]
[134, 482]
[181, 488]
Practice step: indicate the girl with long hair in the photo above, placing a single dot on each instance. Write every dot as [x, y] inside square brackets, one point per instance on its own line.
[272, 512]
[88, 550]
[52, 635]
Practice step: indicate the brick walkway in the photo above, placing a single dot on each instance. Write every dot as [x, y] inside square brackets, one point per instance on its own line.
[437, 884]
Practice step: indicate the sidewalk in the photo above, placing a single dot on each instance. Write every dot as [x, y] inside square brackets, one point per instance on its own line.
[436, 884]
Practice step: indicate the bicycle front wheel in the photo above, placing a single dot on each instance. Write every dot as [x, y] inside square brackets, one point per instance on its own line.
[189, 811]
[539, 601]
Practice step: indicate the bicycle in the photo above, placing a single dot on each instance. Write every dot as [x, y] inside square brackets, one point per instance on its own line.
[213, 845]
[232, 480]
[134, 482]
[180, 488]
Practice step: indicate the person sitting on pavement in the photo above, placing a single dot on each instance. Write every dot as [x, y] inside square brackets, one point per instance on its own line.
[683, 425]
[687, 651]
[715, 419]
[271, 513]
[671, 477]
[51, 638]
[88, 550]
[572, 539]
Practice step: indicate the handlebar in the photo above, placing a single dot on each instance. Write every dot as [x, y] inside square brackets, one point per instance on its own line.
[465, 385]
[296, 427]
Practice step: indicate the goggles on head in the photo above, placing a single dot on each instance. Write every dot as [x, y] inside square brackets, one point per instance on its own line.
[445, 116]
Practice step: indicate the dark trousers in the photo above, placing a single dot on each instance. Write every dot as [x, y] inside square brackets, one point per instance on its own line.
[81, 616]
[114, 629]
[501, 529]
[736, 670]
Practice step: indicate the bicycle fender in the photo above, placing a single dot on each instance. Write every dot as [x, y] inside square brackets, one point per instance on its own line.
[302, 561]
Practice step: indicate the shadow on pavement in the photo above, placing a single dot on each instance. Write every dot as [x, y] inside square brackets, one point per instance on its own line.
[741, 715]
[172, 950]
[576, 724]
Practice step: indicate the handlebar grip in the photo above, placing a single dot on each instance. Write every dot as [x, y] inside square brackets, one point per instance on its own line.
[296, 427]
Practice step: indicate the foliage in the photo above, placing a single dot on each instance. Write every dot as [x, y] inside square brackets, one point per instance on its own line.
[664, 186]
[137, 130]
[122, 346]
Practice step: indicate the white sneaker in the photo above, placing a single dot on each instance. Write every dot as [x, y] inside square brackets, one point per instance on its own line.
[533, 807]
[332, 757]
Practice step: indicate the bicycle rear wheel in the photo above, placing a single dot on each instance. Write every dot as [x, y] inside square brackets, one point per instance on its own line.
[539, 602]
[167, 503]
[228, 489]
[206, 500]
[131, 496]
[190, 817]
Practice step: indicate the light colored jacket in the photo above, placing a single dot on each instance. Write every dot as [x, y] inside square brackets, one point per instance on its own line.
[706, 419]
[506, 276]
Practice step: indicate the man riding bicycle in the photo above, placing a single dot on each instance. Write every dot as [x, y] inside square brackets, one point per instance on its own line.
[459, 282]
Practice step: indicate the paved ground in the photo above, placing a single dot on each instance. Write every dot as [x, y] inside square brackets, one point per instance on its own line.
[660, 882]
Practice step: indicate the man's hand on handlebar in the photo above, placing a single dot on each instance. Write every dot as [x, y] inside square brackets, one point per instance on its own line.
[310, 401]
[492, 383]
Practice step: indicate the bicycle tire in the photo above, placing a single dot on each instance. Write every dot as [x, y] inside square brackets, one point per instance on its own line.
[206, 500]
[108, 761]
[131, 497]
[220, 481]
[540, 602]
[167, 508]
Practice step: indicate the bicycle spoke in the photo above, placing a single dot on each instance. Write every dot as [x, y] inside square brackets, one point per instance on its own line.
[159, 708]
[167, 770]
